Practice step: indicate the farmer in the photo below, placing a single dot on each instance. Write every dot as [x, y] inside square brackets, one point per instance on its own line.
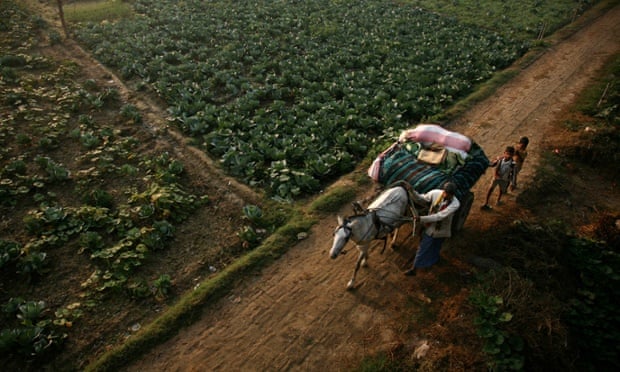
[437, 225]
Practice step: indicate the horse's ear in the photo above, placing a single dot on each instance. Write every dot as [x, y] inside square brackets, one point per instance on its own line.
[357, 207]
[340, 220]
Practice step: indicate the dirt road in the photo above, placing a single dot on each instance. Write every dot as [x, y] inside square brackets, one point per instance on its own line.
[296, 315]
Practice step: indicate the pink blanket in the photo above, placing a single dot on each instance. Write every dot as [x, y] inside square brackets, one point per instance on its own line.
[432, 133]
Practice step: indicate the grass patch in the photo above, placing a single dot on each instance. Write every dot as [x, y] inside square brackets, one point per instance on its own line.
[602, 98]
[595, 121]
[97, 11]
[332, 201]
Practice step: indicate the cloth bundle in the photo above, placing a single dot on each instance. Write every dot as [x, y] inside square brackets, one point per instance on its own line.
[430, 134]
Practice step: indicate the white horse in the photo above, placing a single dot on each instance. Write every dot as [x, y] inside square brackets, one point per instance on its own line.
[383, 217]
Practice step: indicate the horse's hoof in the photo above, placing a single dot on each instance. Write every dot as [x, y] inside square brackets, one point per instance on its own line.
[350, 286]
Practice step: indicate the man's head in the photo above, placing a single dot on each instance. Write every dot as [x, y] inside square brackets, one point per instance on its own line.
[449, 189]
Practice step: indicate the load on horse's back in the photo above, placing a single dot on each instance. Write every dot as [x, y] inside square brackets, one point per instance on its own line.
[383, 217]
[427, 156]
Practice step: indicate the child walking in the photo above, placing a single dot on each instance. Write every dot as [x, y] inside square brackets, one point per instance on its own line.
[504, 167]
[519, 158]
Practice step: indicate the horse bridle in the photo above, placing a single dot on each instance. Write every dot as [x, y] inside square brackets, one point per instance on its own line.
[377, 222]
[347, 229]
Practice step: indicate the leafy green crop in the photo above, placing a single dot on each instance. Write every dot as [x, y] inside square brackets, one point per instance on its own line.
[31, 333]
[9, 252]
[73, 180]
[505, 351]
[289, 95]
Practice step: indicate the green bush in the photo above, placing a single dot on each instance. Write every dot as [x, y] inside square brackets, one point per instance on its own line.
[504, 350]
[594, 313]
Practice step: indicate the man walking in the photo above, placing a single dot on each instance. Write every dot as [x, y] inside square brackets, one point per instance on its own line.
[437, 225]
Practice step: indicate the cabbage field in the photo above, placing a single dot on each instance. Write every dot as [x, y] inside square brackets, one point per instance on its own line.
[291, 94]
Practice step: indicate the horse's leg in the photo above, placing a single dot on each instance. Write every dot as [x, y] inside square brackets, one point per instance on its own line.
[361, 260]
[394, 237]
[364, 252]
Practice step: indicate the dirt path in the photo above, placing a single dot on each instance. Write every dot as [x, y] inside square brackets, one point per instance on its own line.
[296, 315]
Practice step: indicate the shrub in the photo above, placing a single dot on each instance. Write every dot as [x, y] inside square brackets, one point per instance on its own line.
[594, 314]
[504, 349]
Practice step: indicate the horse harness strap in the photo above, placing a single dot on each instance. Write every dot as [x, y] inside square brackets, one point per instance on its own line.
[376, 221]
[383, 229]
[410, 199]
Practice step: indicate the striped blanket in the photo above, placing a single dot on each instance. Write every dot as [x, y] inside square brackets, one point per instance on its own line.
[396, 164]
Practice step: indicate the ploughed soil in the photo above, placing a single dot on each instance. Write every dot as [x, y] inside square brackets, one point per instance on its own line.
[296, 314]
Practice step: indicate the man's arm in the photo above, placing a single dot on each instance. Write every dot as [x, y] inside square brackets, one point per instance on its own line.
[439, 216]
[420, 199]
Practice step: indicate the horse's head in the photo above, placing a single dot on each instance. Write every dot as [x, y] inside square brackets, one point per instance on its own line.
[341, 236]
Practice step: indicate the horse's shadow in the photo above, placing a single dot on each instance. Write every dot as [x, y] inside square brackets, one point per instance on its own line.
[397, 257]
[405, 246]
